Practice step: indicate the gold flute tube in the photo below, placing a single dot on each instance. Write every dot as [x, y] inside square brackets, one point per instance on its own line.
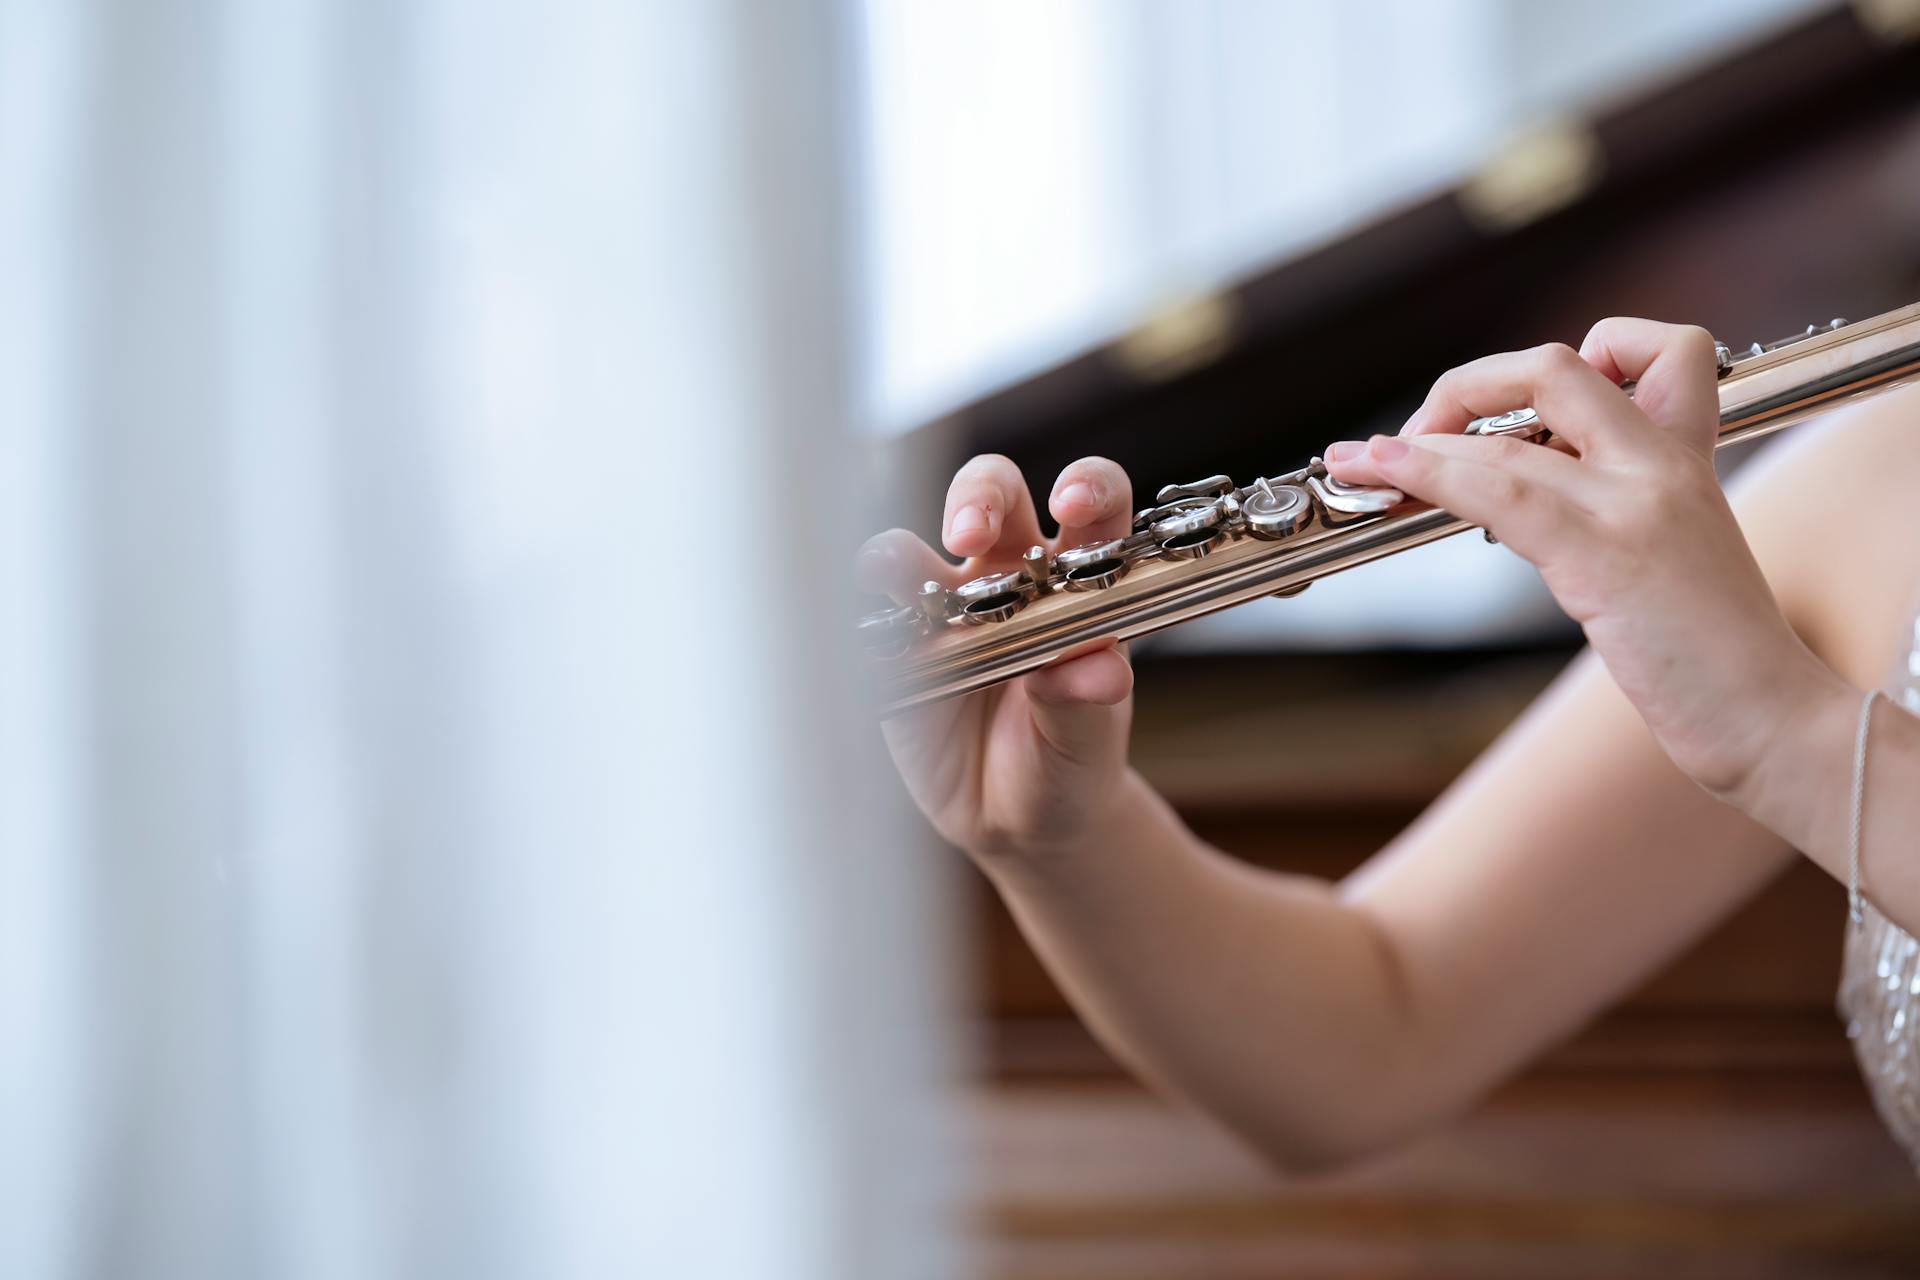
[1759, 394]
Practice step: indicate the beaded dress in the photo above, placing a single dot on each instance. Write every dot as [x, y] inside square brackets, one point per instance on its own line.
[1880, 986]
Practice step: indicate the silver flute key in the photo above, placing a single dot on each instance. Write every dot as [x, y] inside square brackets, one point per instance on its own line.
[1209, 544]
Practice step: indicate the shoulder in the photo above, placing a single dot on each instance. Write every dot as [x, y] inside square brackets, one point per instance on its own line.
[1832, 512]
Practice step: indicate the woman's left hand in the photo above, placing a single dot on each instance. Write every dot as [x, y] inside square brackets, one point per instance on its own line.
[1630, 530]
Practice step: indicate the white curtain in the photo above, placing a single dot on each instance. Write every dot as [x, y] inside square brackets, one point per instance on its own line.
[435, 833]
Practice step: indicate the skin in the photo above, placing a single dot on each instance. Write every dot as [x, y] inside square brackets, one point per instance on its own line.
[1667, 775]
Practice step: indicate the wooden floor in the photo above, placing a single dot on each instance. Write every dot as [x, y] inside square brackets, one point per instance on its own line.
[1557, 1177]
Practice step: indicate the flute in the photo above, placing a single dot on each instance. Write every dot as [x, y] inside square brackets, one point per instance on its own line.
[1211, 544]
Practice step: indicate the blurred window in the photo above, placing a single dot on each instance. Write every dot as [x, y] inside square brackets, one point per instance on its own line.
[1037, 174]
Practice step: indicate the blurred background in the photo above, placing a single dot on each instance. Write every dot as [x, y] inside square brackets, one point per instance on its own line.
[442, 831]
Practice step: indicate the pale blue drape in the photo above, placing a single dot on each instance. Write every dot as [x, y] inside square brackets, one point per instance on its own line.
[434, 838]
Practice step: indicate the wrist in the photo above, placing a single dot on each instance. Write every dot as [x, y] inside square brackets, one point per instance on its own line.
[1797, 782]
[1119, 811]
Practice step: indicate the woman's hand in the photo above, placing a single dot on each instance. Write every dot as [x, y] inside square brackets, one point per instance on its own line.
[1029, 766]
[1629, 531]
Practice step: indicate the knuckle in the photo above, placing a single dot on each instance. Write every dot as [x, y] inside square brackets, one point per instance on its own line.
[1694, 341]
[1449, 389]
[991, 469]
[987, 462]
[1556, 358]
[1603, 331]
[988, 479]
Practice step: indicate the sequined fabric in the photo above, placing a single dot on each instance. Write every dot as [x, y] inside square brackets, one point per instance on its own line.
[1880, 988]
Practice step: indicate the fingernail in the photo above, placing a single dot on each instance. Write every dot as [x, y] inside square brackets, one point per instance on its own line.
[967, 520]
[1387, 448]
[1344, 450]
[1079, 494]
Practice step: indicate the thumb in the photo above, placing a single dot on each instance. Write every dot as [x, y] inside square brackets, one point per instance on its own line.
[1079, 705]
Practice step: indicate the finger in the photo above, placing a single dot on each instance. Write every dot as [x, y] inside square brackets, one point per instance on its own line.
[1675, 367]
[1520, 492]
[1548, 464]
[1557, 472]
[897, 562]
[1092, 500]
[1572, 398]
[1350, 461]
[1077, 705]
[989, 511]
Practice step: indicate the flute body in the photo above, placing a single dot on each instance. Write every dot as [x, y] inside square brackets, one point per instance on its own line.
[1211, 545]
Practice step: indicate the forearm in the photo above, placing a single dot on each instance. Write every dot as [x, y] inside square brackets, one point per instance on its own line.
[1803, 791]
[1260, 998]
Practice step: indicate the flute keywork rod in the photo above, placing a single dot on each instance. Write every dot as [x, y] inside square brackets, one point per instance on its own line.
[1210, 545]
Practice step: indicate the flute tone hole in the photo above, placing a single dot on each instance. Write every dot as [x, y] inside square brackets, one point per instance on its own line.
[993, 608]
[1102, 573]
[1191, 545]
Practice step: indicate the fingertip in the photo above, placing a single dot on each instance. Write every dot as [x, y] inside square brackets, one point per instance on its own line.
[1358, 469]
[1077, 502]
[873, 565]
[896, 563]
[1089, 495]
[970, 530]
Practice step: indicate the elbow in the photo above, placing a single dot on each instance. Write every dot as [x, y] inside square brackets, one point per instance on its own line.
[1329, 1141]
[1305, 1156]
[1297, 1160]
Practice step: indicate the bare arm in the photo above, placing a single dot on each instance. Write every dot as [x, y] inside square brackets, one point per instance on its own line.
[1851, 563]
[1324, 1021]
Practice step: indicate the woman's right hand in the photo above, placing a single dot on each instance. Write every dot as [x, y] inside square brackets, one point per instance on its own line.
[1027, 767]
